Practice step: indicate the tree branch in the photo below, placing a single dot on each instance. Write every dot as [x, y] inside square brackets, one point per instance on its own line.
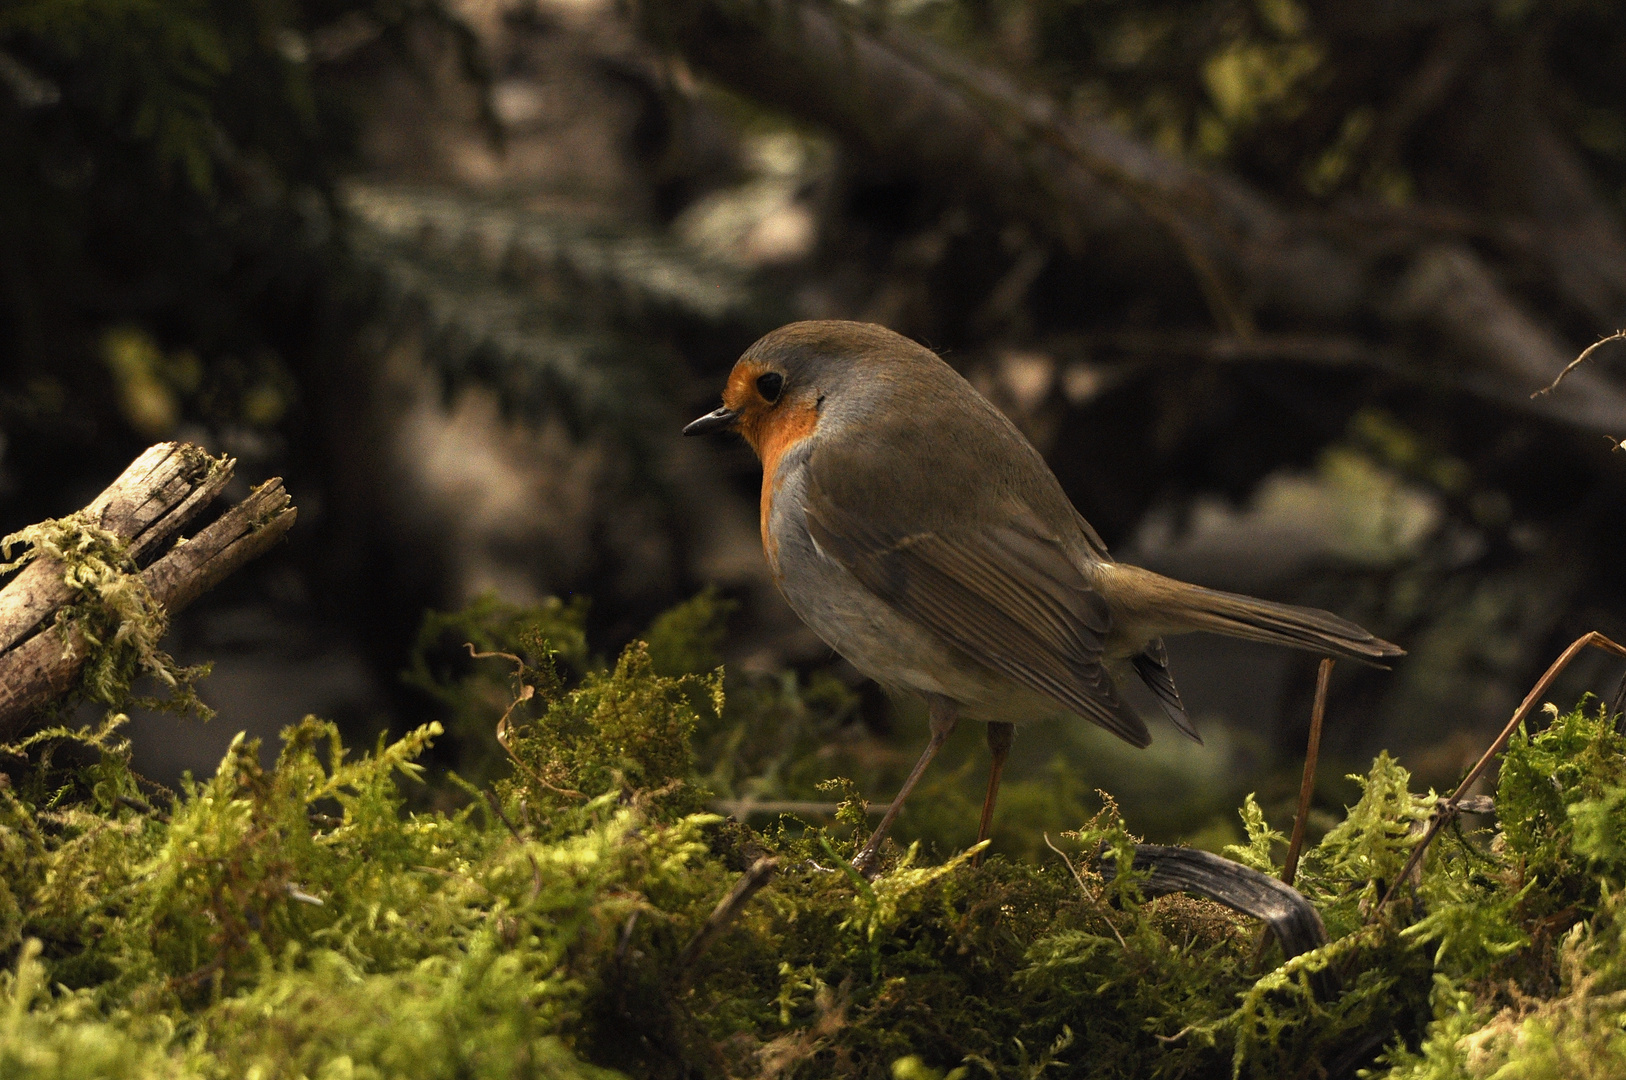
[727, 909]
[952, 123]
[1292, 918]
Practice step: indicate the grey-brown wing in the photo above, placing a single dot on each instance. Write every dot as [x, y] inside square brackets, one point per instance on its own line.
[1005, 596]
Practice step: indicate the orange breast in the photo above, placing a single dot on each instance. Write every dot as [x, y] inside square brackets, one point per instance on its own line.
[773, 436]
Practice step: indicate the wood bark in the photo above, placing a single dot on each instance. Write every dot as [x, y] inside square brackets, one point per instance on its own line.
[148, 504]
[154, 497]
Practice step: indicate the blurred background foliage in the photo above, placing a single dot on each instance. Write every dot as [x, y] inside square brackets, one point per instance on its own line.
[1269, 283]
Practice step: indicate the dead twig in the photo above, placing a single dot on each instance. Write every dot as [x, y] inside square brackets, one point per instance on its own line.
[1093, 894]
[536, 871]
[739, 809]
[141, 806]
[242, 534]
[150, 500]
[626, 937]
[1312, 751]
[1579, 360]
[1291, 917]
[726, 911]
[1617, 707]
[1081, 180]
[1454, 805]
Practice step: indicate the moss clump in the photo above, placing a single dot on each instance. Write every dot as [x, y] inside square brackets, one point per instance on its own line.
[627, 729]
[298, 920]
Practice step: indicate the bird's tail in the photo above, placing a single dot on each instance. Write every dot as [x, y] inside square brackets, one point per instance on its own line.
[1234, 615]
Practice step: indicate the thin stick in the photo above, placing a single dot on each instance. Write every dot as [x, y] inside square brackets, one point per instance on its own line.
[1318, 712]
[1290, 869]
[1447, 810]
[526, 693]
[1573, 364]
[1093, 894]
[743, 808]
[727, 909]
[143, 807]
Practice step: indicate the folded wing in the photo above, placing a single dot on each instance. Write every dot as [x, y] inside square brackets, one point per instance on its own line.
[1005, 595]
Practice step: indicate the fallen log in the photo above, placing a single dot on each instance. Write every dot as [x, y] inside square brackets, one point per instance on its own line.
[81, 591]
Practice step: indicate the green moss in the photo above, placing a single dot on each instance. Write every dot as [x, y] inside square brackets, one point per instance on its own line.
[688, 639]
[475, 690]
[299, 920]
[627, 729]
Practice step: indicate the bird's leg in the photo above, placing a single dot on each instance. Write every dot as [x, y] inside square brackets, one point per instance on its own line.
[943, 714]
[1000, 737]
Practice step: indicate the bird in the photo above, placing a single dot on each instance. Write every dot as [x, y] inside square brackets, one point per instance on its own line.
[919, 534]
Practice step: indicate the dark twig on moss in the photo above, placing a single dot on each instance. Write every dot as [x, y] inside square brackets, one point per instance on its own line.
[141, 806]
[1454, 805]
[1617, 707]
[504, 730]
[740, 809]
[1285, 911]
[1093, 894]
[502, 816]
[625, 943]
[1312, 751]
[536, 871]
[726, 911]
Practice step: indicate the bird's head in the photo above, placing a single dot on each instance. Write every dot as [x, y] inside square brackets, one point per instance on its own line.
[785, 382]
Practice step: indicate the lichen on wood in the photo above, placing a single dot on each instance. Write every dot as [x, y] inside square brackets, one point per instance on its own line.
[111, 618]
[92, 592]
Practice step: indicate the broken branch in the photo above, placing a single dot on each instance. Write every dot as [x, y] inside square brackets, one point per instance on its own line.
[1078, 179]
[1291, 917]
[44, 647]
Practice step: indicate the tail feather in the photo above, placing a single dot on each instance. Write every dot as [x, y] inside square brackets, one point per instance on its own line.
[1152, 665]
[1305, 628]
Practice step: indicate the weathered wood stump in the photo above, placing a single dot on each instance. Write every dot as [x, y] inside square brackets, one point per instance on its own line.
[135, 527]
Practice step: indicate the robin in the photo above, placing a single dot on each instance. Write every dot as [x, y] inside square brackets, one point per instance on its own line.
[916, 531]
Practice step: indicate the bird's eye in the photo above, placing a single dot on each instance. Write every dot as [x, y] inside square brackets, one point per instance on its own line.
[770, 385]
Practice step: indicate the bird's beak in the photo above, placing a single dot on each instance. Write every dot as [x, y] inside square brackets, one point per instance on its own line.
[716, 420]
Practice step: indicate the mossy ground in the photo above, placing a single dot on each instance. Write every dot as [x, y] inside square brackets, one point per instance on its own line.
[319, 918]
